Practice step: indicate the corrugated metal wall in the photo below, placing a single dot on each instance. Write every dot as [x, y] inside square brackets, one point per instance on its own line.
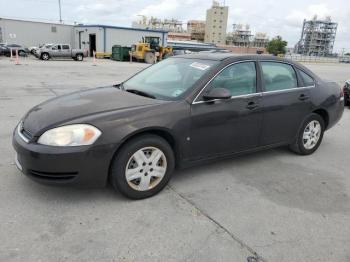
[29, 33]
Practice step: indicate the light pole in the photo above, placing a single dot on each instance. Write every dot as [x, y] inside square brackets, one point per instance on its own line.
[59, 7]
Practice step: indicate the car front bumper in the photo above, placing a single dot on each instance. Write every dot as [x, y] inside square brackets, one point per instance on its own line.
[81, 166]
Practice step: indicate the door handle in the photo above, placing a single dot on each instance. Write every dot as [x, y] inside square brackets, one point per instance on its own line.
[303, 97]
[252, 105]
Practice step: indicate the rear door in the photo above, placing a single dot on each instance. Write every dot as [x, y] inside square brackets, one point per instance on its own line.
[228, 126]
[285, 102]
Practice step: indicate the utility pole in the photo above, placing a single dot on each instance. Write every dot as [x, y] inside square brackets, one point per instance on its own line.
[59, 7]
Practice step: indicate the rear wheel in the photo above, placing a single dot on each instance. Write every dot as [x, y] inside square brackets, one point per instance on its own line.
[150, 58]
[142, 167]
[310, 135]
[79, 57]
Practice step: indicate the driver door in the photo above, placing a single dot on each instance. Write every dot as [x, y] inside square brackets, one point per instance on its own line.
[222, 127]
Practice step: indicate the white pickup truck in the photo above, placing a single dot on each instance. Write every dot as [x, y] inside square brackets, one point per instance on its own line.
[60, 51]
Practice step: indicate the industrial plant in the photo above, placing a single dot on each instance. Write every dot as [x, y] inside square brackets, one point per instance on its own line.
[317, 37]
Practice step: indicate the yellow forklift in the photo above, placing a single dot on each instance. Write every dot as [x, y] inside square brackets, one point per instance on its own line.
[150, 50]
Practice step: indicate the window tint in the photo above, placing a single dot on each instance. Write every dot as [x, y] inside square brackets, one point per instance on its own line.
[308, 80]
[278, 76]
[59, 47]
[239, 79]
[66, 47]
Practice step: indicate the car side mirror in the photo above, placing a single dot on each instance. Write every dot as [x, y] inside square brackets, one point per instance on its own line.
[217, 93]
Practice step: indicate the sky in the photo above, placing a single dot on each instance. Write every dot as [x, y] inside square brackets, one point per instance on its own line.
[273, 17]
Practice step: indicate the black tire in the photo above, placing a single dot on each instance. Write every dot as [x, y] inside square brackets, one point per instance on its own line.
[45, 56]
[298, 146]
[79, 57]
[121, 160]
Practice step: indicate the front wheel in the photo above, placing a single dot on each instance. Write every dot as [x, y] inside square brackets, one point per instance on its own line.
[45, 56]
[310, 135]
[142, 167]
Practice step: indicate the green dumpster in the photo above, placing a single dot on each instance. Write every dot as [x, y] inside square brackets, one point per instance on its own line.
[120, 53]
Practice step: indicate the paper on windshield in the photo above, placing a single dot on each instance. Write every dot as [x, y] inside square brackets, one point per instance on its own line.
[199, 66]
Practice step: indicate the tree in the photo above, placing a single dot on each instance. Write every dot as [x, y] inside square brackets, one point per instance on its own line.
[277, 46]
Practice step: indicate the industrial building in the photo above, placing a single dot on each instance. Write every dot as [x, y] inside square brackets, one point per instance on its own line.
[196, 28]
[31, 33]
[242, 37]
[216, 24]
[99, 38]
[317, 37]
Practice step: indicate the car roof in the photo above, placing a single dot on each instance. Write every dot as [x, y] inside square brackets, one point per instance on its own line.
[231, 56]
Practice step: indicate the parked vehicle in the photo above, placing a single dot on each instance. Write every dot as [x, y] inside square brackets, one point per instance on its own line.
[3, 49]
[22, 51]
[60, 51]
[347, 93]
[182, 111]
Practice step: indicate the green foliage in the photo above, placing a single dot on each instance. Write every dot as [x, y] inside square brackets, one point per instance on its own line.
[277, 46]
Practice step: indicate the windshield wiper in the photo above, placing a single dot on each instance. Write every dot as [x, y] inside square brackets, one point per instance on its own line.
[141, 93]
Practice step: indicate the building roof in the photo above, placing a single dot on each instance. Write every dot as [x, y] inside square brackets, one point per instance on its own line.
[124, 28]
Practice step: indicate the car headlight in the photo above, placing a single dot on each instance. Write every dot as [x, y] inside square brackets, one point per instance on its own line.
[70, 135]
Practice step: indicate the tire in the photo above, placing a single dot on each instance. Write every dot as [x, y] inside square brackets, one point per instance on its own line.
[22, 53]
[305, 135]
[79, 57]
[150, 58]
[45, 56]
[144, 181]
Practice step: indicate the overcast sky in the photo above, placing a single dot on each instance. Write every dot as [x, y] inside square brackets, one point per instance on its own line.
[274, 17]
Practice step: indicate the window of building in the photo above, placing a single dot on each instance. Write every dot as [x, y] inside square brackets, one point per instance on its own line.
[239, 79]
[53, 29]
[278, 76]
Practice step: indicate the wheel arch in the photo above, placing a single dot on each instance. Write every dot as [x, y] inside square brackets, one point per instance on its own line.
[324, 114]
[164, 133]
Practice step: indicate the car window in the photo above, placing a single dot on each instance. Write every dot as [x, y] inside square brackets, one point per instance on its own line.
[65, 47]
[308, 80]
[278, 76]
[239, 79]
[169, 78]
[59, 47]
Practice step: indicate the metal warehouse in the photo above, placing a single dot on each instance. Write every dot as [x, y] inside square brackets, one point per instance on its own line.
[31, 33]
[99, 38]
[102, 37]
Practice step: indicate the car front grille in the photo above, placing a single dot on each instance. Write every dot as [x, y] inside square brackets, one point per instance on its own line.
[53, 176]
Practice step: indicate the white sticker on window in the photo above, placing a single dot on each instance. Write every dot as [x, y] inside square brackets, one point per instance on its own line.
[199, 66]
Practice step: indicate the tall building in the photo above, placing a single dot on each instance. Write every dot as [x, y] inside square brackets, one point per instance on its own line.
[196, 28]
[317, 37]
[216, 24]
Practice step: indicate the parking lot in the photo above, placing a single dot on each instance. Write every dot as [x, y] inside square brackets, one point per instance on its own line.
[273, 205]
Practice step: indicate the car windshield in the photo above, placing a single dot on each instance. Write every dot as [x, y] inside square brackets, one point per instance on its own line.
[169, 78]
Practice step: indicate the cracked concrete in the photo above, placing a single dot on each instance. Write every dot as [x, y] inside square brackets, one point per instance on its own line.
[269, 206]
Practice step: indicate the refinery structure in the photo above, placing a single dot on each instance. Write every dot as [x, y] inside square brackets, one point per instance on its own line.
[317, 37]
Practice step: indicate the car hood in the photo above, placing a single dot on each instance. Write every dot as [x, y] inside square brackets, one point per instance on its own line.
[80, 104]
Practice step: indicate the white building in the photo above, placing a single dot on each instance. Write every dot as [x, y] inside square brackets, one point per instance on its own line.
[99, 38]
[102, 37]
[216, 24]
[30, 33]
